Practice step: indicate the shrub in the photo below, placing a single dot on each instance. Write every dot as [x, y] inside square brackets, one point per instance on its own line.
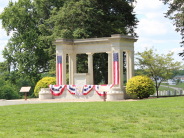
[44, 83]
[8, 93]
[140, 86]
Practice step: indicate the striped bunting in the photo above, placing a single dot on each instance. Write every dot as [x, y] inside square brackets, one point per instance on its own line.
[57, 90]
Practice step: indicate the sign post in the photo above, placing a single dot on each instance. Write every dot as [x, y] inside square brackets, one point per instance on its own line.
[104, 89]
[25, 89]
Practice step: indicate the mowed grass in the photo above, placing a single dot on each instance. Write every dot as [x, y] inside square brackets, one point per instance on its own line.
[165, 88]
[162, 117]
[179, 85]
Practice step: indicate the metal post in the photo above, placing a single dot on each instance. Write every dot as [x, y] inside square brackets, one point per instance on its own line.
[104, 96]
[174, 92]
[25, 96]
[168, 93]
[181, 92]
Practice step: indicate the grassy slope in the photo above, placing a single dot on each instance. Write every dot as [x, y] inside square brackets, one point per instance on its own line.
[165, 88]
[162, 117]
[179, 85]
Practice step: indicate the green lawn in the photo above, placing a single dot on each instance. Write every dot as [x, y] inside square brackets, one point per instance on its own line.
[179, 85]
[162, 117]
[165, 88]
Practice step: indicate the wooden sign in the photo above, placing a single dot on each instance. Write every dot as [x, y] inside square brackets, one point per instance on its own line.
[25, 89]
[104, 88]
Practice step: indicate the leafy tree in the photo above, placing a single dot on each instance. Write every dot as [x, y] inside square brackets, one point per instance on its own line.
[94, 18]
[7, 90]
[26, 50]
[175, 13]
[157, 66]
[35, 24]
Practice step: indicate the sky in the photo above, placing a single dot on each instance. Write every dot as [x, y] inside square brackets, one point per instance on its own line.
[153, 29]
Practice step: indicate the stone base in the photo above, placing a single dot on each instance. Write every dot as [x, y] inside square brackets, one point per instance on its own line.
[115, 96]
[45, 93]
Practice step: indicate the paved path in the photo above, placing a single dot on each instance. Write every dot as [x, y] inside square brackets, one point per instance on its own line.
[37, 101]
[178, 89]
[21, 101]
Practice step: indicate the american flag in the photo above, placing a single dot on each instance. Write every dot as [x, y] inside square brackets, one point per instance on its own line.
[116, 68]
[59, 70]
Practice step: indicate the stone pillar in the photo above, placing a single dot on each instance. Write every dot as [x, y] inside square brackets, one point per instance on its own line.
[110, 67]
[121, 70]
[72, 68]
[63, 68]
[133, 66]
[130, 64]
[90, 67]
[127, 65]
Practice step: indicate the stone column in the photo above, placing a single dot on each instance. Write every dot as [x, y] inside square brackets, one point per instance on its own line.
[110, 67]
[133, 67]
[121, 70]
[63, 68]
[127, 65]
[90, 67]
[72, 68]
[130, 64]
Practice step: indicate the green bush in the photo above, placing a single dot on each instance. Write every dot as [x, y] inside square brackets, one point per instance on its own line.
[44, 83]
[8, 93]
[140, 86]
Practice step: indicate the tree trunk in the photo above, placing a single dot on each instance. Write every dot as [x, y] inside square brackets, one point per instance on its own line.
[157, 92]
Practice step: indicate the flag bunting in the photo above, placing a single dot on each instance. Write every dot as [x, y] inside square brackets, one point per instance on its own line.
[57, 90]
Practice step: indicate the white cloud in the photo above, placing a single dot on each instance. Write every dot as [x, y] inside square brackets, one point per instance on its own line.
[177, 50]
[155, 16]
[151, 27]
[144, 6]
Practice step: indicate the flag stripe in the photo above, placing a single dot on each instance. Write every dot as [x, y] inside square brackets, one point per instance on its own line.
[59, 70]
[116, 68]
[117, 72]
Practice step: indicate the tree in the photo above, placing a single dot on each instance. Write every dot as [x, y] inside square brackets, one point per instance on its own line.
[36, 24]
[94, 18]
[175, 13]
[26, 50]
[157, 66]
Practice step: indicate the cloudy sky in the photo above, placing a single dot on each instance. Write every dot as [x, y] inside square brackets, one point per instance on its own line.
[153, 29]
[156, 30]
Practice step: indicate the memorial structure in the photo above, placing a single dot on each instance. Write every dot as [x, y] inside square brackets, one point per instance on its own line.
[114, 46]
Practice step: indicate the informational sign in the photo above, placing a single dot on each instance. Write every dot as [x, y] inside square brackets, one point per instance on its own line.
[104, 88]
[25, 89]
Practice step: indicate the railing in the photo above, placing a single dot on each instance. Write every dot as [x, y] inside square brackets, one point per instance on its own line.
[169, 93]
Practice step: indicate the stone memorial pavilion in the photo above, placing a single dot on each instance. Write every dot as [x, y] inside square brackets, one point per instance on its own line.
[117, 43]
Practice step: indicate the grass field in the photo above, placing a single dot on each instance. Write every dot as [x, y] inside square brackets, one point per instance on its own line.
[179, 85]
[162, 117]
[165, 88]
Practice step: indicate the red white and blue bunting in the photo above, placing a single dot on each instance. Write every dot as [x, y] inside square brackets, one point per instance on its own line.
[79, 89]
[87, 89]
[71, 89]
[100, 93]
[57, 90]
